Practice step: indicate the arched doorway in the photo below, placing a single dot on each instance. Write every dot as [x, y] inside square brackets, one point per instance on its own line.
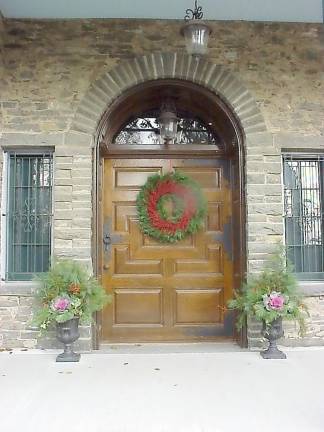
[172, 292]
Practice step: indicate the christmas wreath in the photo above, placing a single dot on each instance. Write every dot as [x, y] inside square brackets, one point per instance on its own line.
[170, 207]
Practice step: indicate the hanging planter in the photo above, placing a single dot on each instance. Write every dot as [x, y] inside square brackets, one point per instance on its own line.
[170, 207]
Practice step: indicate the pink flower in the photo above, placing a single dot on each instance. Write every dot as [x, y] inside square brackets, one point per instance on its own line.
[274, 301]
[61, 304]
[277, 302]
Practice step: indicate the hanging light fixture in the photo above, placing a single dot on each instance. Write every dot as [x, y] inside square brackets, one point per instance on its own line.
[196, 32]
[168, 121]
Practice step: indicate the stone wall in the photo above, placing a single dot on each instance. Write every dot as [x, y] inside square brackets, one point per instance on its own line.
[51, 64]
[15, 312]
[2, 43]
[60, 76]
[315, 325]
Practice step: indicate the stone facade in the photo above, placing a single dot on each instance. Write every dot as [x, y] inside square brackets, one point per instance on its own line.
[59, 77]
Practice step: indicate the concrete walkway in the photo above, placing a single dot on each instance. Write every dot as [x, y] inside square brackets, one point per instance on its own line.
[158, 390]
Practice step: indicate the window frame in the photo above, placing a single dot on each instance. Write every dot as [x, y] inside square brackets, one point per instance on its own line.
[317, 156]
[5, 205]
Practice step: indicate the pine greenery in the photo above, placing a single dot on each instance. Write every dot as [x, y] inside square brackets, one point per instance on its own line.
[196, 221]
[69, 280]
[277, 276]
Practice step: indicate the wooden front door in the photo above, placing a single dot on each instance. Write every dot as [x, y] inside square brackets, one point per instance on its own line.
[166, 292]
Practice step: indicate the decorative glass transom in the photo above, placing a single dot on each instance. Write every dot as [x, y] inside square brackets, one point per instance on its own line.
[304, 214]
[29, 214]
[145, 130]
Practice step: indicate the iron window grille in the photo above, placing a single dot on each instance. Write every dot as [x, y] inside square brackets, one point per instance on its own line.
[145, 129]
[304, 214]
[29, 214]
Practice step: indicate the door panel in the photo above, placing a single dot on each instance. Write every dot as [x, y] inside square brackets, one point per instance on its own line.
[146, 306]
[166, 292]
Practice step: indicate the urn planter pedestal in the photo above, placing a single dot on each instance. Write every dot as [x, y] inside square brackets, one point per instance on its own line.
[272, 333]
[67, 333]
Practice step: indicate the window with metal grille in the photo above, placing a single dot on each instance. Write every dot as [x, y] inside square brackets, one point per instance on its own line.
[29, 214]
[304, 214]
[146, 130]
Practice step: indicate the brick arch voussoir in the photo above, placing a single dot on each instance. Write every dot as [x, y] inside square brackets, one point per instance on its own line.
[130, 73]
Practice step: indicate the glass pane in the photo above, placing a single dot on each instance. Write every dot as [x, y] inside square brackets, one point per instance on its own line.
[29, 215]
[303, 200]
[146, 130]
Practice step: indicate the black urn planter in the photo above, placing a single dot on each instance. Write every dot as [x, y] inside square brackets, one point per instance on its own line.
[67, 333]
[273, 332]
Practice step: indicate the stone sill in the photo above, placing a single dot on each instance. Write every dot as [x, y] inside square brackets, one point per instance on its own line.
[26, 289]
[312, 288]
[18, 288]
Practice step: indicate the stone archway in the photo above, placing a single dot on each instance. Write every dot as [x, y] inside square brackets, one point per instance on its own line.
[258, 144]
[129, 73]
[85, 127]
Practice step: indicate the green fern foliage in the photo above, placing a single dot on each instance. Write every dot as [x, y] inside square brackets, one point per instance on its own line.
[276, 281]
[67, 291]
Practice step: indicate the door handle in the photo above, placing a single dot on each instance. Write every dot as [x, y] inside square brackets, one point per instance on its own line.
[107, 242]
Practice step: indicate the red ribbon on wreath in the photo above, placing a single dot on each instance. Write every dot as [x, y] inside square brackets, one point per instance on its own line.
[169, 187]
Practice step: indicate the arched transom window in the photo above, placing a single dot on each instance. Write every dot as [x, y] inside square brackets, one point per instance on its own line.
[145, 130]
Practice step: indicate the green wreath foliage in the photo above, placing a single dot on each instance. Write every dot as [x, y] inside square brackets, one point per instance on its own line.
[196, 220]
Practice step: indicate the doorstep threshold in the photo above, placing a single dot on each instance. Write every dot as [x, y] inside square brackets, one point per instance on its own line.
[169, 348]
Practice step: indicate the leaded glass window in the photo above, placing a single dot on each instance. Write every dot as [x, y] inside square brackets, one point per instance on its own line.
[29, 214]
[304, 214]
[145, 129]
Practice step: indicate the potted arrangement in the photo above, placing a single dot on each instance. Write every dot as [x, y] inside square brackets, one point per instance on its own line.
[271, 296]
[67, 295]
